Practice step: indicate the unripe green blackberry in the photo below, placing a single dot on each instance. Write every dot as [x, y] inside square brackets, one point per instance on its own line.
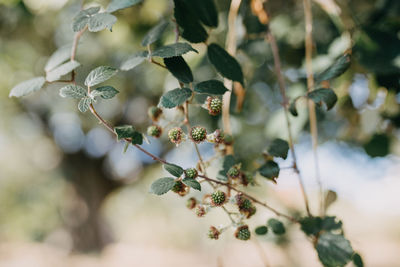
[198, 134]
[175, 135]
[228, 139]
[154, 130]
[214, 105]
[178, 187]
[154, 113]
[233, 172]
[213, 233]
[243, 233]
[191, 203]
[191, 173]
[200, 210]
[218, 198]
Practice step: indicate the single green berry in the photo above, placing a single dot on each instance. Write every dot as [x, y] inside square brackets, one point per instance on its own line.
[154, 113]
[233, 172]
[154, 130]
[213, 233]
[218, 198]
[191, 203]
[200, 210]
[198, 134]
[245, 205]
[191, 173]
[175, 135]
[214, 105]
[178, 187]
[243, 233]
[228, 139]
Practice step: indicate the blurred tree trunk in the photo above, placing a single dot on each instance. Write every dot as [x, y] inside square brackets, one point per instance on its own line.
[86, 174]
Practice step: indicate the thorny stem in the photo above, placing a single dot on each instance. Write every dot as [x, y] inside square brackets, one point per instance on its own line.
[311, 105]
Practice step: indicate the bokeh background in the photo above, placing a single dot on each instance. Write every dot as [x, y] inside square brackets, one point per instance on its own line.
[69, 196]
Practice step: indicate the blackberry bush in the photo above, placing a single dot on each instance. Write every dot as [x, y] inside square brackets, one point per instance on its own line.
[192, 23]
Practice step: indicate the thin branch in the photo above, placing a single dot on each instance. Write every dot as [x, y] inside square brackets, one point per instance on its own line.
[277, 213]
[231, 48]
[282, 86]
[311, 104]
[210, 180]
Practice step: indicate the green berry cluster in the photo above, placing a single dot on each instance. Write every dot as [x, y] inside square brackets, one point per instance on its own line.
[191, 173]
[198, 134]
[214, 105]
[233, 172]
[218, 198]
[213, 233]
[154, 113]
[243, 233]
[175, 135]
[154, 130]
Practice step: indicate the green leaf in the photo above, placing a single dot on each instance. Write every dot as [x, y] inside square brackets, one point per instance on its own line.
[179, 68]
[277, 226]
[270, 170]
[173, 169]
[206, 11]
[228, 162]
[58, 57]
[73, 91]
[101, 21]
[279, 148]
[82, 18]
[121, 4]
[155, 33]
[173, 50]
[334, 250]
[323, 95]
[128, 131]
[175, 97]
[261, 230]
[192, 183]
[105, 92]
[99, 75]
[186, 18]
[27, 87]
[61, 70]
[84, 104]
[357, 260]
[330, 198]
[314, 225]
[212, 87]
[225, 64]
[162, 185]
[340, 65]
[134, 60]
